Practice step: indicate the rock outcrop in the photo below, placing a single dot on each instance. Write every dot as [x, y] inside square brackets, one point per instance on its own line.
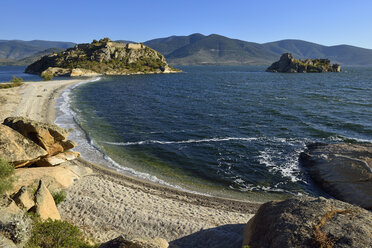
[344, 171]
[309, 222]
[287, 63]
[48, 136]
[42, 144]
[24, 198]
[58, 159]
[55, 178]
[102, 57]
[45, 206]
[18, 149]
[121, 242]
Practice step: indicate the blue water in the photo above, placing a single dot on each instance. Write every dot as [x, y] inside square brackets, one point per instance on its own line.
[6, 73]
[232, 131]
[224, 129]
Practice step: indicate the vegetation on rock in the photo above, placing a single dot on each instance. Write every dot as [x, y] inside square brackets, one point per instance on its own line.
[59, 197]
[104, 57]
[6, 175]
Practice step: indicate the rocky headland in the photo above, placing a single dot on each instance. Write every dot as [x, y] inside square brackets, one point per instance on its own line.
[103, 57]
[289, 64]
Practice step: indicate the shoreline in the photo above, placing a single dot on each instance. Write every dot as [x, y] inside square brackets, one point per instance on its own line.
[106, 203]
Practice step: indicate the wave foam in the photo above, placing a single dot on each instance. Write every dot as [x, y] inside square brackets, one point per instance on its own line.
[148, 142]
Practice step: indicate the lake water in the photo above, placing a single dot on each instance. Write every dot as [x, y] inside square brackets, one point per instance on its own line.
[232, 131]
[7, 72]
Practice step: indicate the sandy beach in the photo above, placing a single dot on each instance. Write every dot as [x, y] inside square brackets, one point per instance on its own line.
[106, 204]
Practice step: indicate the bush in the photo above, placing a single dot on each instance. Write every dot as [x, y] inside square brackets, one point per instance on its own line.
[59, 196]
[56, 234]
[6, 176]
[47, 76]
[16, 80]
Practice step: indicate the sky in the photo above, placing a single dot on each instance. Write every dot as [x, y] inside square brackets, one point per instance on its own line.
[326, 22]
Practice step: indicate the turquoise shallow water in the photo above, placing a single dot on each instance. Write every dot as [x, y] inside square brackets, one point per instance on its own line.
[230, 131]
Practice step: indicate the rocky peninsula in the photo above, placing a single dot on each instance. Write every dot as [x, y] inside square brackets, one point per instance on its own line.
[289, 64]
[103, 57]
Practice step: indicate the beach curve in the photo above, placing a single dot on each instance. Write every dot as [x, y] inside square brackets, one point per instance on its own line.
[106, 204]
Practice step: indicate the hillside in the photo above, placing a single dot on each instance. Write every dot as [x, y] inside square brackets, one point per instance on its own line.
[199, 49]
[211, 49]
[216, 49]
[30, 59]
[342, 54]
[102, 57]
[18, 49]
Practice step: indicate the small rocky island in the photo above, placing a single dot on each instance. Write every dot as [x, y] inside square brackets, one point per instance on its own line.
[288, 63]
[103, 57]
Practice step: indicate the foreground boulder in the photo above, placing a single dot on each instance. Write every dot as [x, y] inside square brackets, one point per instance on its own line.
[17, 149]
[121, 242]
[48, 136]
[102, 57]
[45, 206]
[309, 223]
[341, 170]
[288, 63]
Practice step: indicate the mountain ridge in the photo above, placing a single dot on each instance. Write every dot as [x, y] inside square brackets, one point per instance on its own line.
[213, 49]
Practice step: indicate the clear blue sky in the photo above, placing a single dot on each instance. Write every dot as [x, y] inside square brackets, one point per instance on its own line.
[327, 22]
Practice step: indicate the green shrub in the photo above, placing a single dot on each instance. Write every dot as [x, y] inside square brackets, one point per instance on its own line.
[6, 176]
[59, 196]
[47, 76]
[16, 80]
[56, 234]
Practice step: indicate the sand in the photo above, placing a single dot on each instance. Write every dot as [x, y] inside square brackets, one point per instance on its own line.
[106, 204]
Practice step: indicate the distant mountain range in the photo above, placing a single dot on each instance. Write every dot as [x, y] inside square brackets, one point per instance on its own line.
[198, 49]
[217, 49]
[15, 51]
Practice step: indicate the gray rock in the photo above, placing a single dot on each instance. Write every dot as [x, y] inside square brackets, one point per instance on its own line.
[15, 225]
[344, 171]
[121, 242]
[309, 222]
